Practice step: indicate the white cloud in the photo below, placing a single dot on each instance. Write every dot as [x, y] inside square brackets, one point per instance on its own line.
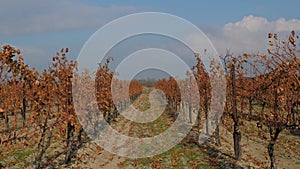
[41, 16]
[283, 25]
[255, 24]
[249, 23]
[250, 34]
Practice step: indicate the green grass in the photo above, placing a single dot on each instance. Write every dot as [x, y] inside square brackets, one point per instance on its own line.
[180, 156]
[22, 154]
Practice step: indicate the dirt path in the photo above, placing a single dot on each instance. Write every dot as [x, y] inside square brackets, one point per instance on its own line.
[108, 160]
[254, 152]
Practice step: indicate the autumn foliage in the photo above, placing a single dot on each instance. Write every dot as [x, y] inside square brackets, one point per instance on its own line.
[37, 108]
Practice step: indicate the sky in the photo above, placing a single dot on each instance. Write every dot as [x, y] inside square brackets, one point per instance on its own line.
[40, 28]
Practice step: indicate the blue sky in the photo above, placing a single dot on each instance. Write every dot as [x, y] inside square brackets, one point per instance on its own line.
[215, 11]
[40, 28]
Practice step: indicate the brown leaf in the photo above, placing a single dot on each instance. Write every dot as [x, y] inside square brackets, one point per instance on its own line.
[293, 33]
[292, 40]
[270, 35]
[275, 36]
